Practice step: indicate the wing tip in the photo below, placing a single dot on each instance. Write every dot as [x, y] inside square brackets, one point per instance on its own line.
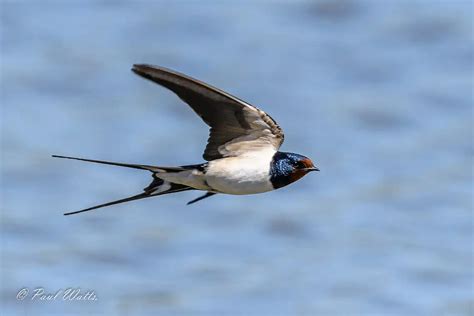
[143, 68]
[136, 68]
[149, 71]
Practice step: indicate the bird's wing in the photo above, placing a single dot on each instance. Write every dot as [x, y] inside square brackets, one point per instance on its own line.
[236, 127]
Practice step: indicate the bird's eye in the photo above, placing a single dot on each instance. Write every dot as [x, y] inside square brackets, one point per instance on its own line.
[299, 165]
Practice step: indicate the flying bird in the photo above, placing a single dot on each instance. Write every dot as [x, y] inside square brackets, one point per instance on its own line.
[241, 153]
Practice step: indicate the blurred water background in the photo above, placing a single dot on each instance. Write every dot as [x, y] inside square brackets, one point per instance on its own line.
[377, 93]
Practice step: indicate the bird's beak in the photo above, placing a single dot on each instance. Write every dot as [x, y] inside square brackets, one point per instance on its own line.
[311, 169]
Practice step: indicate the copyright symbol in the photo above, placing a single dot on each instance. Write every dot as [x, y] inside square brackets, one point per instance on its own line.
[22, 294]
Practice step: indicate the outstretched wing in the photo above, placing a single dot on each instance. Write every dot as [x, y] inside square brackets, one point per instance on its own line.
[236, 126]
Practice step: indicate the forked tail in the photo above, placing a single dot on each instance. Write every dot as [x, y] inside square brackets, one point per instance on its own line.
[157, 186]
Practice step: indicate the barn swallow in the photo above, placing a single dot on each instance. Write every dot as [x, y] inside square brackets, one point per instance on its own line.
[242, 150]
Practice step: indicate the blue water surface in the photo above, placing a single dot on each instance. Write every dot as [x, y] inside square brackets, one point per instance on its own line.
[377, 93]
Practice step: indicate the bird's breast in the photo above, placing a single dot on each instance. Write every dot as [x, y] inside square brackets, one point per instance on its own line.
[240, 175]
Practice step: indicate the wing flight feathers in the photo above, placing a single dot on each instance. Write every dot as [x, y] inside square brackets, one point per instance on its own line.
[236, 126]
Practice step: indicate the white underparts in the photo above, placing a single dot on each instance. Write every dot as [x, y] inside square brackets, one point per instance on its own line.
[245, 174]
[192, 178]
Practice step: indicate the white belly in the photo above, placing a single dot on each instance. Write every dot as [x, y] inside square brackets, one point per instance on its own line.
[192, 178]
[240, 175]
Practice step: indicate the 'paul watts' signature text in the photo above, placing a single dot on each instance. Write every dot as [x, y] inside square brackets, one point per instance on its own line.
[69, 294]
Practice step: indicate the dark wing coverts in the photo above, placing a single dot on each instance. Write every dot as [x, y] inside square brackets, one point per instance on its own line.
[236, 126]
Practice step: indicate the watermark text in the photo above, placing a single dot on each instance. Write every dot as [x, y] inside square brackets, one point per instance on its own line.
[68, 294]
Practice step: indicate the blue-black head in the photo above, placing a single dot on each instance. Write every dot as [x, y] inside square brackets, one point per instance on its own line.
[286, 168]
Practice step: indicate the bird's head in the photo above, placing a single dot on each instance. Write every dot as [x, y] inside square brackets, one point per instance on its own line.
[289, 167]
